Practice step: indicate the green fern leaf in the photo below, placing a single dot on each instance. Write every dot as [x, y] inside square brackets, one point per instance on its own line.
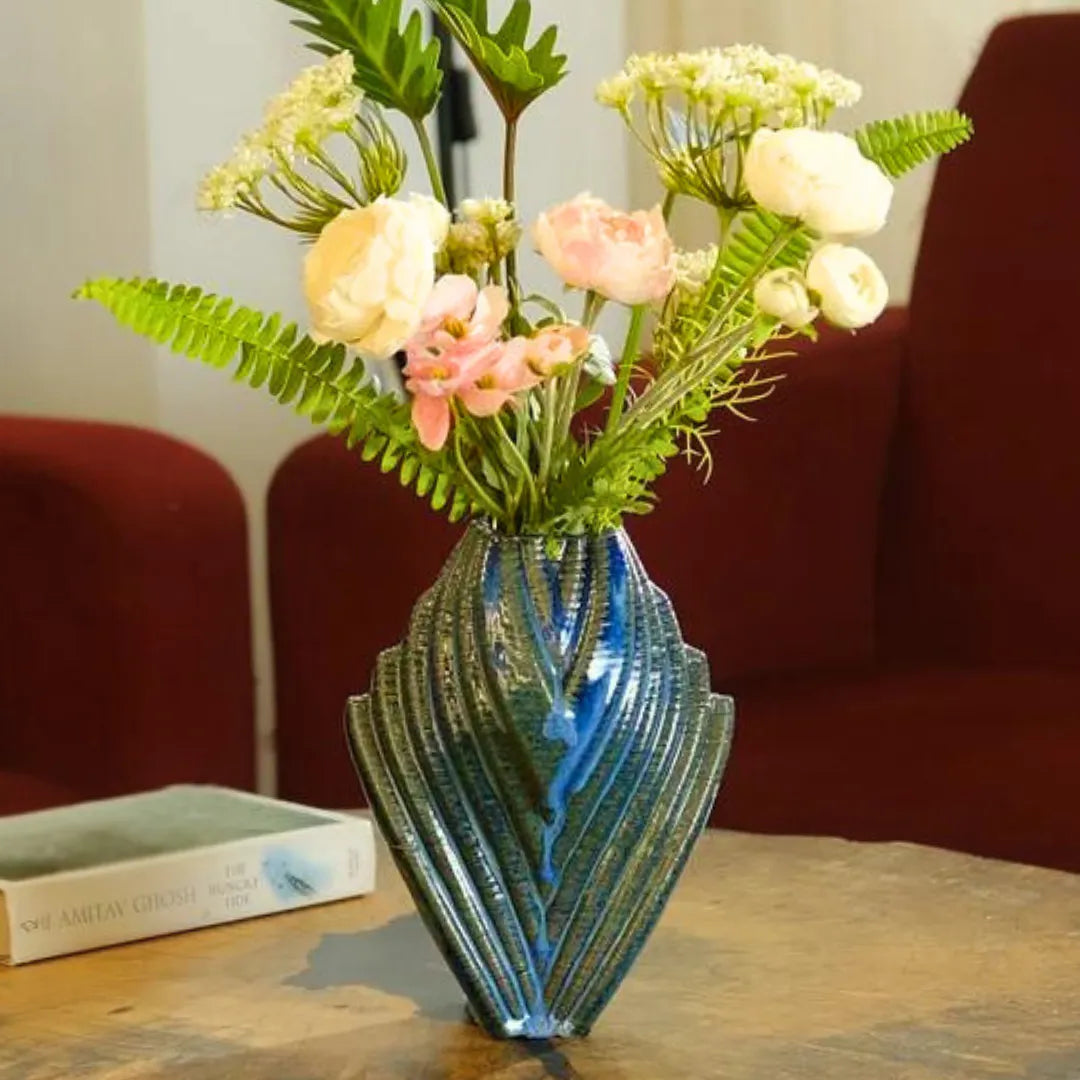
[314, 378]
[759, 242]
[515, 72]
[903, 144]
[395, 67]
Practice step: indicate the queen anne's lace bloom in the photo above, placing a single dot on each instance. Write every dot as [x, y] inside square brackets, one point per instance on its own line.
[224, 185]
[776, 87]
[321, 101]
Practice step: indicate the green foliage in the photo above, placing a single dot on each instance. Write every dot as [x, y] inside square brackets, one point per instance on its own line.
[515, 72]
[903, 144]
[315, 379]
[397, 68]
[757, 242]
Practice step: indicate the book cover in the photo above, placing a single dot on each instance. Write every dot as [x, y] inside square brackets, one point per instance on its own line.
[120, 870]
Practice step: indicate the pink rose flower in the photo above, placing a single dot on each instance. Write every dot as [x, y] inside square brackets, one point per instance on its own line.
[629, 258]
[457, 354]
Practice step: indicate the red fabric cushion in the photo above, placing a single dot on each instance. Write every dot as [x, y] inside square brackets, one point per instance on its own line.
[984, 761]
[980, 564]
[350, 553]
[22, 794]
[772, 564]
[125, 654]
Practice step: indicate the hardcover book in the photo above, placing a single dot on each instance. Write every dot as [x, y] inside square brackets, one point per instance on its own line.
[137, 867]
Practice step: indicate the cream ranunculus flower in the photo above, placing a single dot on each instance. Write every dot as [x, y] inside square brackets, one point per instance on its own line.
[852, 289]
[783, 295]
[371, 272]
[820, 177]
[437, 215]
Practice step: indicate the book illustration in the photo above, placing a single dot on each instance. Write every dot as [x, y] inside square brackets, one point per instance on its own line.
[292, 876]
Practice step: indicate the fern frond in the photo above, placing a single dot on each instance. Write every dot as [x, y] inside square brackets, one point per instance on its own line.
[903, 144]
[758, 242]
[316, 380]
[751, 250]
[515, 72]
[398, 68]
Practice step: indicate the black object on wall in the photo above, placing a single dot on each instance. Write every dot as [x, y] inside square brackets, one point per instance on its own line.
[456, 118]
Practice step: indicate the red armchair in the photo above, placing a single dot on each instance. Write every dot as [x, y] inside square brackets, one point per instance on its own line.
[904, 641]
[125, 655]
[884, 572]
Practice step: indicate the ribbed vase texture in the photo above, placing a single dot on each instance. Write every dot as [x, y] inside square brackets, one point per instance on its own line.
[541, 753]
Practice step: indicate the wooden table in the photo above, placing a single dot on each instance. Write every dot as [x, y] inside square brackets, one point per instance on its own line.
[780, 959]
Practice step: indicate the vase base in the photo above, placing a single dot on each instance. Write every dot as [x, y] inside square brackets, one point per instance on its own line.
[528, 1029]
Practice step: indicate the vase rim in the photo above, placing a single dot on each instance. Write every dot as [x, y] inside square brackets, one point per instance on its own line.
[484, 526]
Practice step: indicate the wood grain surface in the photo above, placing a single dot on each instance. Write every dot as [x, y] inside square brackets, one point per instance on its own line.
[779, 959]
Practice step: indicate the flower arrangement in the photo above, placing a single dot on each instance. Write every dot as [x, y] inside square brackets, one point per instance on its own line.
[512, 406]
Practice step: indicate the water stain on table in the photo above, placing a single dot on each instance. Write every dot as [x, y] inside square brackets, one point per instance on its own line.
[398, 959]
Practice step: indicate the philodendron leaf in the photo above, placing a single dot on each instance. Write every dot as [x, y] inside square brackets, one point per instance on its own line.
[398, 68]
[515, 72]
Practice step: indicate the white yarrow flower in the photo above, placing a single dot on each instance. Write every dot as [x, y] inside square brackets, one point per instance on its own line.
[617, 92]
[490, 212]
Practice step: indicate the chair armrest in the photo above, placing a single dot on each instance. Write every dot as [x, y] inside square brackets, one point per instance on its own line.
[125, 657]
[772, 566]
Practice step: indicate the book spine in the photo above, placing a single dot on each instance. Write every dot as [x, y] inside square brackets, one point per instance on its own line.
[131, 902]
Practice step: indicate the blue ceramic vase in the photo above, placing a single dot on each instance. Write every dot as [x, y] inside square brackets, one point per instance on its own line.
[541, 753]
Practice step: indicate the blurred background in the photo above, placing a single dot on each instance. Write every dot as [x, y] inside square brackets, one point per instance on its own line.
[112, 111]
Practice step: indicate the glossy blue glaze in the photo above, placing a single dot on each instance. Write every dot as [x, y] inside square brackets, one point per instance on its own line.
[541, 751]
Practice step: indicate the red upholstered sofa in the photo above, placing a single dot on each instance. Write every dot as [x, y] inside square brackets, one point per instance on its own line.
[885, 571]
[125, 645]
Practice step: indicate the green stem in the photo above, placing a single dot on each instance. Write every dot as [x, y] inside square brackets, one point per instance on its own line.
[438, 189]
[305, 187]
[518, 462]
[547, 452]
[626, 365]
[329, 166]
[510, 195]
[482, 498]
[669, 204]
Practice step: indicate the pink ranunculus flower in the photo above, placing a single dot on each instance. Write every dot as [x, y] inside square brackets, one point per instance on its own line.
[556, 348]
[629, 258]
[456, 353]
[507, 373]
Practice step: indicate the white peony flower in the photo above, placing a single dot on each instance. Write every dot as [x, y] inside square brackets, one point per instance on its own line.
[438, 217]
[853, 291]
[783, 295]
[820, 177]
[370, 274]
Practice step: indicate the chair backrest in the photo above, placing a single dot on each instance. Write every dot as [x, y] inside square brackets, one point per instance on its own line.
[982, 528]
[350, 552]
[125, 638]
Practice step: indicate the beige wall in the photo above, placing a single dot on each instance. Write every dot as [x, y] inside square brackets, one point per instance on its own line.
[116, 108]
[73, 202]
[910, 55]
